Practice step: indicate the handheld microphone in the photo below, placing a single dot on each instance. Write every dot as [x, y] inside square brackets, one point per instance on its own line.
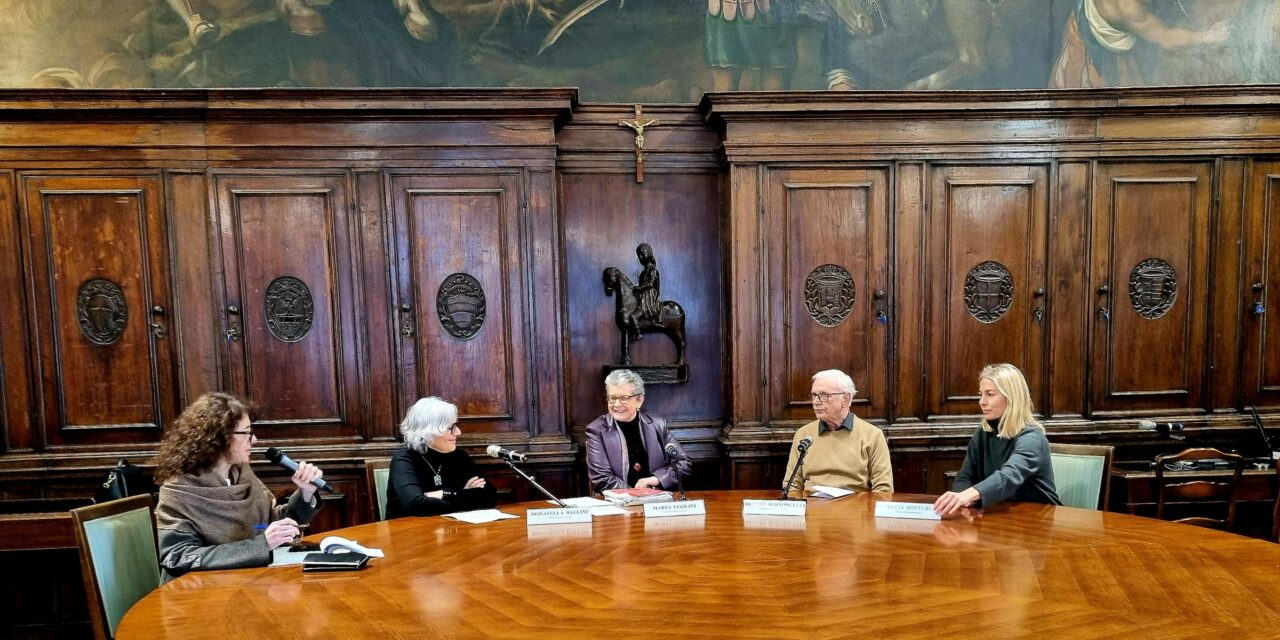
[277, 456]
[801, 448]
[673, 453]
[510, 456]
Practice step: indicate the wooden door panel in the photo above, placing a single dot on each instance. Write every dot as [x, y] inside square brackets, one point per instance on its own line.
[1261, 295]
[99, 268]
[1149, 263]
[286, 259]
[468, 342]
[987, 256]
[829, 232]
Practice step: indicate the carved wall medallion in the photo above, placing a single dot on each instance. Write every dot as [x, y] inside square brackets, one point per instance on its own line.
[101, 311]
[829, 294]
[290, 308]
[1153, 286]
[988, 291]
[460, 305]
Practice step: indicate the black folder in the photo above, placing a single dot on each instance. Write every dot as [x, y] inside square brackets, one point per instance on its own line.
[334, 562]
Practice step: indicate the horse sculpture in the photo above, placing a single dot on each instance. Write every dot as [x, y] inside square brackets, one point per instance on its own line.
[670, 320]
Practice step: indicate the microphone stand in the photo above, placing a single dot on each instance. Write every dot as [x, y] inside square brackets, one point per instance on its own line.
[679, 483]
[786, 490]
[534, 483]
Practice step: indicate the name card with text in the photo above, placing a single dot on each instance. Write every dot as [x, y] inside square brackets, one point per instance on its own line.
[666, 509]
[774, 507]
[558, 516]
[912, 510]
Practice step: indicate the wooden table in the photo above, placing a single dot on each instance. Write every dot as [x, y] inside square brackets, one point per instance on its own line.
[1024, 571]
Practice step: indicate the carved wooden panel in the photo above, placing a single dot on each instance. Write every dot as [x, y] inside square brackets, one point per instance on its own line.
[1149, 292]
[1261, 290]
[822, 224]
[446, 225]
[276, 231]
[987, 284]
[98, 264]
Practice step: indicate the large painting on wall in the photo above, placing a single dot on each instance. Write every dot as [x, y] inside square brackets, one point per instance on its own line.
[639, 50]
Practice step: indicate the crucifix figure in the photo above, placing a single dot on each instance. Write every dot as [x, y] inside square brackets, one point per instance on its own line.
[638, 126]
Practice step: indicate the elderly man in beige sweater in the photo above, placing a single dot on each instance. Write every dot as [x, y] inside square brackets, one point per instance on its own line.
[847, 452]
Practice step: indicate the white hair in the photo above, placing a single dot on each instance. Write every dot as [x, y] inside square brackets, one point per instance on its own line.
[625, 376]
[842, 379]
[426, 420]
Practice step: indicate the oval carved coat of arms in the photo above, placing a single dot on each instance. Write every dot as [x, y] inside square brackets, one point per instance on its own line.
[1153, 286]
[289, 307]
[988, 291]
[460, 305]
[829, 294]
[101, 311]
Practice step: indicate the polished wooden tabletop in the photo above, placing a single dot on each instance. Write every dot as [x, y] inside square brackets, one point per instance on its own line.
[1021, 571]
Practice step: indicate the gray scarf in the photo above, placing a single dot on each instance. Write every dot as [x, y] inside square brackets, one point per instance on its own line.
[205, 505]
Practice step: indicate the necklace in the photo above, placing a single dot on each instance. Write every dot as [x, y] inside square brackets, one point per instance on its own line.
[438, 480]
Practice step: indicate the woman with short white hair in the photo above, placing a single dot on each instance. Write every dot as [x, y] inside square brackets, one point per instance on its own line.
[430, 475]
[626, 448]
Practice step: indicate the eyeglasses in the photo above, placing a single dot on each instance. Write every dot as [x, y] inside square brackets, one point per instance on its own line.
[622, 399]
[455, 429]
[243, 433]
[822, 396]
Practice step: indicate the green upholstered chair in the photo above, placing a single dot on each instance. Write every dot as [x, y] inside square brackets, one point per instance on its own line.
[1082, 474]
[376, 474]
[118, 558]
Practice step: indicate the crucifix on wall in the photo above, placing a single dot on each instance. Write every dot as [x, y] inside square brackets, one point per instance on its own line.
[638, 126]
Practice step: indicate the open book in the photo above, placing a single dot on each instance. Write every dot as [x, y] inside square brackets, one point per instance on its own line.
[338, 544]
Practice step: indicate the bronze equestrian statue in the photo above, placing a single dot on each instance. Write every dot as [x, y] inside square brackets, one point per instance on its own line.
[637, 310]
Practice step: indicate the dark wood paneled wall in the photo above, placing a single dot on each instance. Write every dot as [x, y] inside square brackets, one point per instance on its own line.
[1076, 202]
[195, 202]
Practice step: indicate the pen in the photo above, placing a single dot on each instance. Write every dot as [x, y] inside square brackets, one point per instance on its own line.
[263, 527]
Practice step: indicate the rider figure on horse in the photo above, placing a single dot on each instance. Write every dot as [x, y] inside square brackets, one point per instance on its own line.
[646, 291]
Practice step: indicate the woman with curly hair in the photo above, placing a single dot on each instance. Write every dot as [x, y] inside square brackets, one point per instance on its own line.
[213, 513]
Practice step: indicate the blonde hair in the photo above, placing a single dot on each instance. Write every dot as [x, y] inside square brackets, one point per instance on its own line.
[1019, 412]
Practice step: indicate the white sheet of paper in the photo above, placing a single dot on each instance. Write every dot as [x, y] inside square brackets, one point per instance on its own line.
[480, 516]
[608, 510]
[585, 501]
[339, 544]
[823, 491]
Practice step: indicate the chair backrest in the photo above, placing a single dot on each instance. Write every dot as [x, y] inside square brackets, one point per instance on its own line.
[376, 473]
[1218, 489]
[1082, 474]
[118, 558]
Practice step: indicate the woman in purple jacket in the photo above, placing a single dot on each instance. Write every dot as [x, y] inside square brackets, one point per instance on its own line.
[627, 448]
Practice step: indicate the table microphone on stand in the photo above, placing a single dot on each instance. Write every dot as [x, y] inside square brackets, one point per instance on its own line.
[510, 457]
[801, 449]
[672, 453]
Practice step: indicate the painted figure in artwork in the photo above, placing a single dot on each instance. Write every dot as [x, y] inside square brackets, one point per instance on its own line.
[1100, 37]
[748, 45]
[302, 18]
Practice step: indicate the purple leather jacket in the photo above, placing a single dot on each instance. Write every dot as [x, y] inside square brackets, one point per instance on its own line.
[607, 459]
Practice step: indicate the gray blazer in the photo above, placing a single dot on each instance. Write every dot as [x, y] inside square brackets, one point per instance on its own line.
[607, 459]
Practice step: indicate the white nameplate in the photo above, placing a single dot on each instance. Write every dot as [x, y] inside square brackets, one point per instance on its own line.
[558, 516]
[774, 507]
[912, 510]
[665, 509]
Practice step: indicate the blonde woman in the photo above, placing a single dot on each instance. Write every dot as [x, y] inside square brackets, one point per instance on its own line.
[1008, 457]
